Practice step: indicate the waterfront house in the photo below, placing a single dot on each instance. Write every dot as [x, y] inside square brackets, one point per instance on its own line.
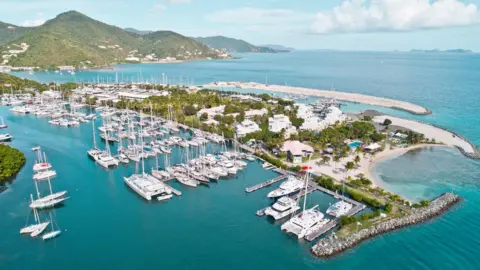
[211, 112]
[246, 127]
[279, 122]
[296, 151]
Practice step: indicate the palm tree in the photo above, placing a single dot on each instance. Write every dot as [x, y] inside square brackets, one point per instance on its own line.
[349, 166]
[326, 159]
[336, 159]
[357, 160]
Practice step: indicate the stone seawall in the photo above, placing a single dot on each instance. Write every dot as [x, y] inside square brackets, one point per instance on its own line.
[331, 246]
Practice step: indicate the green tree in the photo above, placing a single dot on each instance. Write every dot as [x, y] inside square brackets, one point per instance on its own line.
[387, 122]
[326, 159]
[356, 160]
[204, 117]
[240, 117]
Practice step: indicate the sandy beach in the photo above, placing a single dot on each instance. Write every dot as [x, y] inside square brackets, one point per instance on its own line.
[366, 164]
[350, 97]
[430, 132]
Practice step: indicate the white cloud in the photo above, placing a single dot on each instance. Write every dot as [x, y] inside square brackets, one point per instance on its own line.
[32, 23]
[35, 22]
[256, 16]
[394, 15]
[177, 1]
[159, 7]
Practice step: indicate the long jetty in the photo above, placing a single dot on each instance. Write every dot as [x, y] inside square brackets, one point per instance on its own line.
[266, 183]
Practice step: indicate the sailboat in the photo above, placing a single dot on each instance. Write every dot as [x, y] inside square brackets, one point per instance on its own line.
[94, 152]
[50, 200]
[42, 168]
[309, 219]
[157, 173]
[2, 124]
[37, 228]
[53, 233]
[146, 185]
[105, 159]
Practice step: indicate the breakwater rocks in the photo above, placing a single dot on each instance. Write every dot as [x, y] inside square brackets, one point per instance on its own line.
[331, 245]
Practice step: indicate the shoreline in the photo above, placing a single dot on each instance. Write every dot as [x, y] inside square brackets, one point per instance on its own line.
[344, 96]
[331, 246]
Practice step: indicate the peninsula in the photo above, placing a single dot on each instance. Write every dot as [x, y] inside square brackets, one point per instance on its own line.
[350, 97]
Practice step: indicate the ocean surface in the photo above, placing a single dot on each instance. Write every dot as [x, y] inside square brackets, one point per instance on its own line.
[106, 226]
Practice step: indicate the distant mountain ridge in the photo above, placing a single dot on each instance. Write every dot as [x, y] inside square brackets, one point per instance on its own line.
[75, 39]
[446, 51]
[138, 32]
[278, 47]
[233, 45]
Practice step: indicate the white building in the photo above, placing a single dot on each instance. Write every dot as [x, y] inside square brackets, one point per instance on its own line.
[315, 123]
[246, 127]
[296, 150]
[279, 122]
[133, 59]
[211, 112]
[132, 96]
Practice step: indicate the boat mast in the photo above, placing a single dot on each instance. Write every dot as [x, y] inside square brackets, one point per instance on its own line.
[93, 131]
[307, 176]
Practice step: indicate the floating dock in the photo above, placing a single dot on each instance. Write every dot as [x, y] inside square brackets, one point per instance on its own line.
[266, 184]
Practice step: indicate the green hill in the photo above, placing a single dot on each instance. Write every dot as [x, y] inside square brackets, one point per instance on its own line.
[75, 39]
[233, 45]
[10, 32]
[138, 32]
[12, 83]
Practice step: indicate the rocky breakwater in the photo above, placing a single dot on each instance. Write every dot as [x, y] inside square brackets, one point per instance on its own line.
[332, 245]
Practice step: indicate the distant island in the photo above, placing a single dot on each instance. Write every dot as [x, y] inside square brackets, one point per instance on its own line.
[279, 48]
[444, 51]
[233, 45]
[73, 40]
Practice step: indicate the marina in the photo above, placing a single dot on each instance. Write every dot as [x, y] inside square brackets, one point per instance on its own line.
[220, 205]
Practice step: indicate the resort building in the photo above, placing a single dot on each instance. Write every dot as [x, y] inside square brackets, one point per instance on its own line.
[246, 127]
[132, 96]
[296, 151]
[211, 112]
[279, 122]
[372, 148]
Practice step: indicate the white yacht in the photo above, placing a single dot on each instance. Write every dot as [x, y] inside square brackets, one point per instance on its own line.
[308, 220]
[305, 222]
[164, 197]
[53, 233]
[186, 180]
[49, 200]
[2, 124]
[5, 137]
[284, 207]
[106, 160]
[44, 175]
[339, 209]
[146, 185]
[291, 185]
[38, 227]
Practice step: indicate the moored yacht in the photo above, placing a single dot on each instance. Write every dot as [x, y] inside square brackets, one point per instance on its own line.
[338, 209]
[146, 185]
[305, 222]
[291, 185]
[282, 208]
[5, 137]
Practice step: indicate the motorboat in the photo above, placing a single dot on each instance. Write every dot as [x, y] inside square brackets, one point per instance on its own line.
[282, 208]
[5, 137]
[339, 209]
[305, 222]
[291, 185]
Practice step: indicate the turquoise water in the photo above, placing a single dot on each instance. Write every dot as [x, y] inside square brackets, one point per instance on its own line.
[215, 227]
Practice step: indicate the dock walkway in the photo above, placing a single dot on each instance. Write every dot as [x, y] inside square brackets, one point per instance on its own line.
[265, 184]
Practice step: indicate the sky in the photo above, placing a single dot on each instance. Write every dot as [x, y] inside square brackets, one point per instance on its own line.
[375, 25]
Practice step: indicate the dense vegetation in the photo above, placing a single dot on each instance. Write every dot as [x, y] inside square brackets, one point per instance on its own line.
[233, 45]
[73, 39]
[10, 34]
[12, 83]
[11, 161]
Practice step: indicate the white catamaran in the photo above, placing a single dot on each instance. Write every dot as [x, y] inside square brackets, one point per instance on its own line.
[306, 221]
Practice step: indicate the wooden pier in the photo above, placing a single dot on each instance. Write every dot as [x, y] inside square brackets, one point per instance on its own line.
[176, 191]
[265, 184]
